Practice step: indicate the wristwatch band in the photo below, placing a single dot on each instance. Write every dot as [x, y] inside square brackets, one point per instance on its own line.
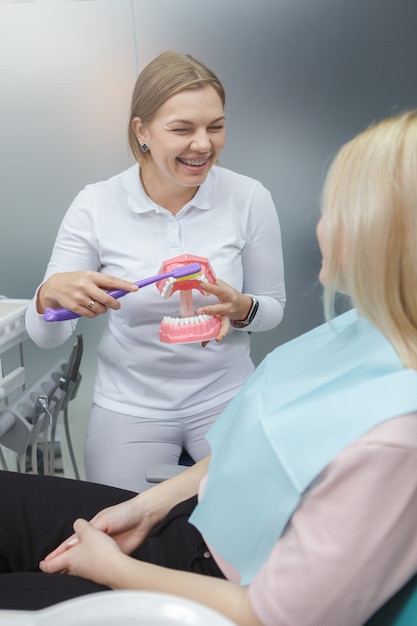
[250, 316]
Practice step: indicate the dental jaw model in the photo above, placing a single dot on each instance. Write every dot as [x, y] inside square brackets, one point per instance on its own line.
[188, 326]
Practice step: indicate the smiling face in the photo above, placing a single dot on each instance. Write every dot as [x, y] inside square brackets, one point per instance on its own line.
[185, 138]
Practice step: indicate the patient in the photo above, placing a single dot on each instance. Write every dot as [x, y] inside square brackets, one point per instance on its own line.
[307, 505]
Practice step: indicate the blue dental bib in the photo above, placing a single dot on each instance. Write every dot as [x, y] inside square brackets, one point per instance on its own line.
[307, 401]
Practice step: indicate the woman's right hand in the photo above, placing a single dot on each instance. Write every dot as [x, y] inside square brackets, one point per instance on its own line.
[76, 290]
[126, 523]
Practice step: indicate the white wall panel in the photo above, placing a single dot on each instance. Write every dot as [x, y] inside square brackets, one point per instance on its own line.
[66, 72]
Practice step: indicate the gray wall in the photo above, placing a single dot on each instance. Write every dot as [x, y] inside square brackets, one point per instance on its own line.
[302, 76]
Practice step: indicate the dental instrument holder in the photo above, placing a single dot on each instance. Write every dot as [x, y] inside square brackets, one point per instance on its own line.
[12, 334]
[33, 416]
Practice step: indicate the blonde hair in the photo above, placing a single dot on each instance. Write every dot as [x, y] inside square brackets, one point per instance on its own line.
[369, 206]
[168, 74]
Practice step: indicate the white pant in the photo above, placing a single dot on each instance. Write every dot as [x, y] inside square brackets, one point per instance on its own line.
[120, 448]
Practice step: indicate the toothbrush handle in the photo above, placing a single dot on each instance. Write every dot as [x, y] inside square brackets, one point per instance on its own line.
[60, 315]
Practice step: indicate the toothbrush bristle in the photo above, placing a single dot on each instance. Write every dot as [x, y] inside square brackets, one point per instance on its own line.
[188, 277]
[169, 284]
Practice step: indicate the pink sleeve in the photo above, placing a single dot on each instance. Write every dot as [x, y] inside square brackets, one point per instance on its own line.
[352, 543]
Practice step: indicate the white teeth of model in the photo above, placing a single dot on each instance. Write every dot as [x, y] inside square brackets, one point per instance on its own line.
[185, 321]
[167, 288]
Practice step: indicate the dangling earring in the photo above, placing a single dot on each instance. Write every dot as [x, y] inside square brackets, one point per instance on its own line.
[144, 147]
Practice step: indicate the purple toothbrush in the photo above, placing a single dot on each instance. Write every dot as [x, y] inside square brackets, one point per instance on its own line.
[188, 270]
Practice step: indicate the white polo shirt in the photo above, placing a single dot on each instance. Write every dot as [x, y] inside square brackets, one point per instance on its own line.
[114, 227]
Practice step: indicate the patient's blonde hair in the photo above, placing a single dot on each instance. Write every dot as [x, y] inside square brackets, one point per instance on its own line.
[370, 208]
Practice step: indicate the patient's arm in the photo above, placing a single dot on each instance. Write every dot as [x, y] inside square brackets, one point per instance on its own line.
[128, 523]
[159, 500]
[224, 596]
[96, 557]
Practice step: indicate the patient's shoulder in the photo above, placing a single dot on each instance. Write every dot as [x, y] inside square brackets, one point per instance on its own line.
[399, 431]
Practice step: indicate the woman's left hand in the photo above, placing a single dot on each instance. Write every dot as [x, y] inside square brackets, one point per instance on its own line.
[90, 554]
[232, 305]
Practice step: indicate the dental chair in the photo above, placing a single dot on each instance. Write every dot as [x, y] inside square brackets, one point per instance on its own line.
[159, 472]
[400, 610]
[32, 417]
[124, 608]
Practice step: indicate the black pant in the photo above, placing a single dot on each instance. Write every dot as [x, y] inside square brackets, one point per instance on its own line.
[37, 513]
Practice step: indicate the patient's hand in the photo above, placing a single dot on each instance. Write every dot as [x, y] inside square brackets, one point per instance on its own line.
[127, 523]
[91, 554]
